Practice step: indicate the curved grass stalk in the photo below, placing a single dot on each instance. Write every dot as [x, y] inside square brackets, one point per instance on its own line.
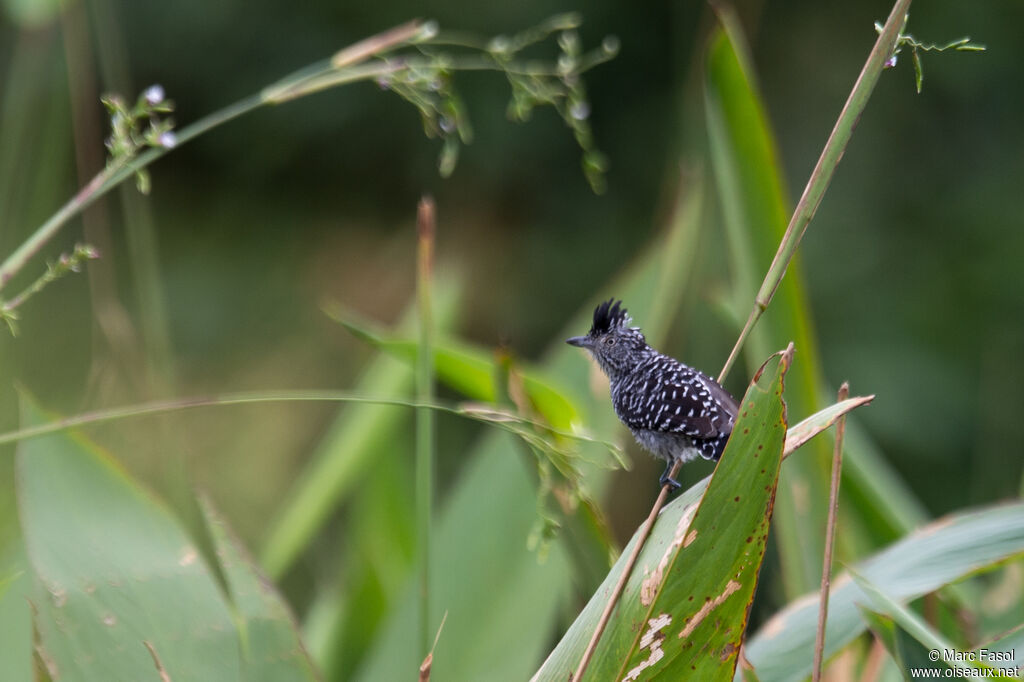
[511, 422]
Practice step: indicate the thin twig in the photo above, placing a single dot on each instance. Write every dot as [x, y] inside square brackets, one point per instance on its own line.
[830, 537]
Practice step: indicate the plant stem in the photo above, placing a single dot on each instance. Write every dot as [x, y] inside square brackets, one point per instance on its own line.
[830, 537]
[805, 208]
[107, 179]
[31, 246]
[494, 417]
[118, 171]
[426, 227]
[823, 171]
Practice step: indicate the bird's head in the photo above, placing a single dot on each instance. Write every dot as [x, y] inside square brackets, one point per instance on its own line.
[615, 345]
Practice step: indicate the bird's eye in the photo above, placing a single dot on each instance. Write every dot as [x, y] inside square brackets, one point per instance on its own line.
[609, 341]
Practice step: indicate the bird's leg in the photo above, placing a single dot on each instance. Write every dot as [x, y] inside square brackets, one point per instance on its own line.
[666, 478]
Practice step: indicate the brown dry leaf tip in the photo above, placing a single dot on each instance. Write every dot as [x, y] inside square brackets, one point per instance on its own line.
[425, 667]
[426, 221]
[787, 358]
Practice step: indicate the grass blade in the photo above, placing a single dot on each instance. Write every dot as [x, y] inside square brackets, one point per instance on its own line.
[938, 554]
[272, 650]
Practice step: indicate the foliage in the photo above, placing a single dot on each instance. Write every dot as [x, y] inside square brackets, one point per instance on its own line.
[101, 580]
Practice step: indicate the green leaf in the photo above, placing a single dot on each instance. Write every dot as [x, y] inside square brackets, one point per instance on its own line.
[575, 639]
[271, 647]
[1011, 644]
[936, 555]
[714, 560]
[908, 622]
[473, 371]
[120, 592]
[345, 452]
[906, 652]
[502, 603]
[684, 610]
[15, 615]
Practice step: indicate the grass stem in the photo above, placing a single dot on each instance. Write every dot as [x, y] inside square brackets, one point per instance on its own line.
[426, 227]
[830, 537]
[823, 171]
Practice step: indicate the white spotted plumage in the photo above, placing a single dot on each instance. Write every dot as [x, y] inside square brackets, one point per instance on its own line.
[674, 411]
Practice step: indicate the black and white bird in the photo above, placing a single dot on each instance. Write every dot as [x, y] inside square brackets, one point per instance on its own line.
[674, 411]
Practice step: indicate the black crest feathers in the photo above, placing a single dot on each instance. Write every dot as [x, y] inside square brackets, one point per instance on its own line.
[608, 315]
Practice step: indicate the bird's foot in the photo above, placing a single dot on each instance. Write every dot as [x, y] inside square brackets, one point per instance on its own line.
[673, 484]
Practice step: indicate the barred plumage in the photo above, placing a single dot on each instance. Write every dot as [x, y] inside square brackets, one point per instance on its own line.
[674, 411]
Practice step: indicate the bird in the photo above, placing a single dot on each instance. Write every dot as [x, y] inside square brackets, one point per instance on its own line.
[674, 411]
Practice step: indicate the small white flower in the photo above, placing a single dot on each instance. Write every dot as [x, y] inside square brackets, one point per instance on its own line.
[154, 94]
[890, 62]
[580, 111]
[428, 30]
[168, 140]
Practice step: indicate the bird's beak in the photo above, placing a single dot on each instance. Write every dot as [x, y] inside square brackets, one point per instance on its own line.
[579, 341]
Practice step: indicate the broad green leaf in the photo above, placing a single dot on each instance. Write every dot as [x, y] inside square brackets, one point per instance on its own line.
[271, 647]
[708, 574]
[908, 622]
[566, 655]
[502, 603]
[684, 609]
[945, 551]
[120, 592]
[15, 615]
[906, 652]
[1012, 645]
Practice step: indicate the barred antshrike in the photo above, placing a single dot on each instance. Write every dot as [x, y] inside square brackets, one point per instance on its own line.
[675, 412]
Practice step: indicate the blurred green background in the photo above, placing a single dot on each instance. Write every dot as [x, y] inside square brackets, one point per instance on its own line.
[215, 282]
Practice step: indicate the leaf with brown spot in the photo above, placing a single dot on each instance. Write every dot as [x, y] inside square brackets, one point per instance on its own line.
[699, 547]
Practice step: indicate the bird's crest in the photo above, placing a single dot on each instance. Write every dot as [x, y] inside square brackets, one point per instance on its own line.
[607, 316]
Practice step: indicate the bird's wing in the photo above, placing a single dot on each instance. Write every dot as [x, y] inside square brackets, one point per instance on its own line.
[683, 401]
